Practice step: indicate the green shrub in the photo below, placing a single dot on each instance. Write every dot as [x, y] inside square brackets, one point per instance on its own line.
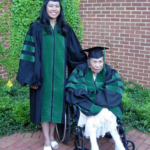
[15, 110]
[21, 112]
[18, 92]
[136, 103]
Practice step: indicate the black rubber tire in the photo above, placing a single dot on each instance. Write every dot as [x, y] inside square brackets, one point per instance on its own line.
[130, 145]
[68, 126]
[63, 131]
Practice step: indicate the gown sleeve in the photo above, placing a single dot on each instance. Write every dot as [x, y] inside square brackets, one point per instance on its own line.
[109, 96]
[77, 92]
[75, 55]
[28, 73]
[112, 92]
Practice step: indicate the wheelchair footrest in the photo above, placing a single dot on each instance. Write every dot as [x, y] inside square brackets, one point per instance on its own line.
[79, 134]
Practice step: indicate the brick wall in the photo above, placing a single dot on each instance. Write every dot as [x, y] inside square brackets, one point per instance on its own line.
[2, 69]
[123, 25]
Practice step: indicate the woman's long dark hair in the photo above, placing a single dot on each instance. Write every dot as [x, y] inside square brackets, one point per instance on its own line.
[45, 21]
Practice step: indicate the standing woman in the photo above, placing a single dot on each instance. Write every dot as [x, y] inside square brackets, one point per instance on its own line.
[50, 45]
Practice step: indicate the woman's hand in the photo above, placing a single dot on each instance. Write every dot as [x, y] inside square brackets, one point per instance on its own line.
[34, 87]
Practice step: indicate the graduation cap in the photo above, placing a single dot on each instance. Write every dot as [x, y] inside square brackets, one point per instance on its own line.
[95, 52]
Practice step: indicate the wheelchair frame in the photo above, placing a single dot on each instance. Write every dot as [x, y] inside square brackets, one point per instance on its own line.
[64, 131]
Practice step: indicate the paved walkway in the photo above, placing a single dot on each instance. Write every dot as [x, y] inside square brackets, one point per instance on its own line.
[29, 141]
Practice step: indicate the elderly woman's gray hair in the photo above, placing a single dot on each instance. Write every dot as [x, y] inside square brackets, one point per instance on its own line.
[88, 61]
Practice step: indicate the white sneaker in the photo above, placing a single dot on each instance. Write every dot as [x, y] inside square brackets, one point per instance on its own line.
[119, 149]
[47, 148]
[95, 148]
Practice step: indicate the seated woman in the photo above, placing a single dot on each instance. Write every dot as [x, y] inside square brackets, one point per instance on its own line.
[97, 91]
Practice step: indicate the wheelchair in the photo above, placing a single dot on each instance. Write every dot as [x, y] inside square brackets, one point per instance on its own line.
[69, 127]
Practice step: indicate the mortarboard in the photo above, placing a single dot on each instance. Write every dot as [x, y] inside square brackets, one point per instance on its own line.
[95, 52]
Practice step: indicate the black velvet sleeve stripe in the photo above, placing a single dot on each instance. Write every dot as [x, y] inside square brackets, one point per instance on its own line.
[77, 82]
[27, 53]
[80, 97]
[74, 79]
[29, 43]
[113, 80]
[77, 77]
[76, 86]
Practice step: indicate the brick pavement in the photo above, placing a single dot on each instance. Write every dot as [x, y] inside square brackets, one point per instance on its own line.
[35, 141]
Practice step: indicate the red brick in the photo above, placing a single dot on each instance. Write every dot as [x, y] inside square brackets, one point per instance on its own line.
[2, 72]
[125, 20]
[143, 74]
[129, 54]
[133, 73]
[136, 4]
[139, 55]
[145, 28]
[126, 4]
[114, 19]
[145, 44]
[27, 144]
[134, 43]
[133, 65]
[147, 79]
[130, 16]
[100, 15]
[147, 141]
[130, 8]
[128, 61]
[124, 71]
[141, 0]
[141, 16]
[115, 12]
[145, 20]
[129, 76]
[16, 145]
[130, 0]
[119, 46]
[37, 145]
[145, 36]
[139, 40]
[123, 64]
[147, 56]
[36, 135]
[141, 8]
[129, 31]
[133, 58]
[143, 82]
[109, 8]
[147, 71]
[138, 62]
[137, 77]
[124, 42]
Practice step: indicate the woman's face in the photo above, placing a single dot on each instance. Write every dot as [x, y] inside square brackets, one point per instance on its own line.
[53, 9]
[96, 65]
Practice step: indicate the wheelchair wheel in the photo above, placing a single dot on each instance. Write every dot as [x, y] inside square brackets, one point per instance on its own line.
[108, 135]
[130, 145]
[64, 130]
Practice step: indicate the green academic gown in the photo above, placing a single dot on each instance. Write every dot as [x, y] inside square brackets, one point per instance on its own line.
[43, 62]
[91, 96]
